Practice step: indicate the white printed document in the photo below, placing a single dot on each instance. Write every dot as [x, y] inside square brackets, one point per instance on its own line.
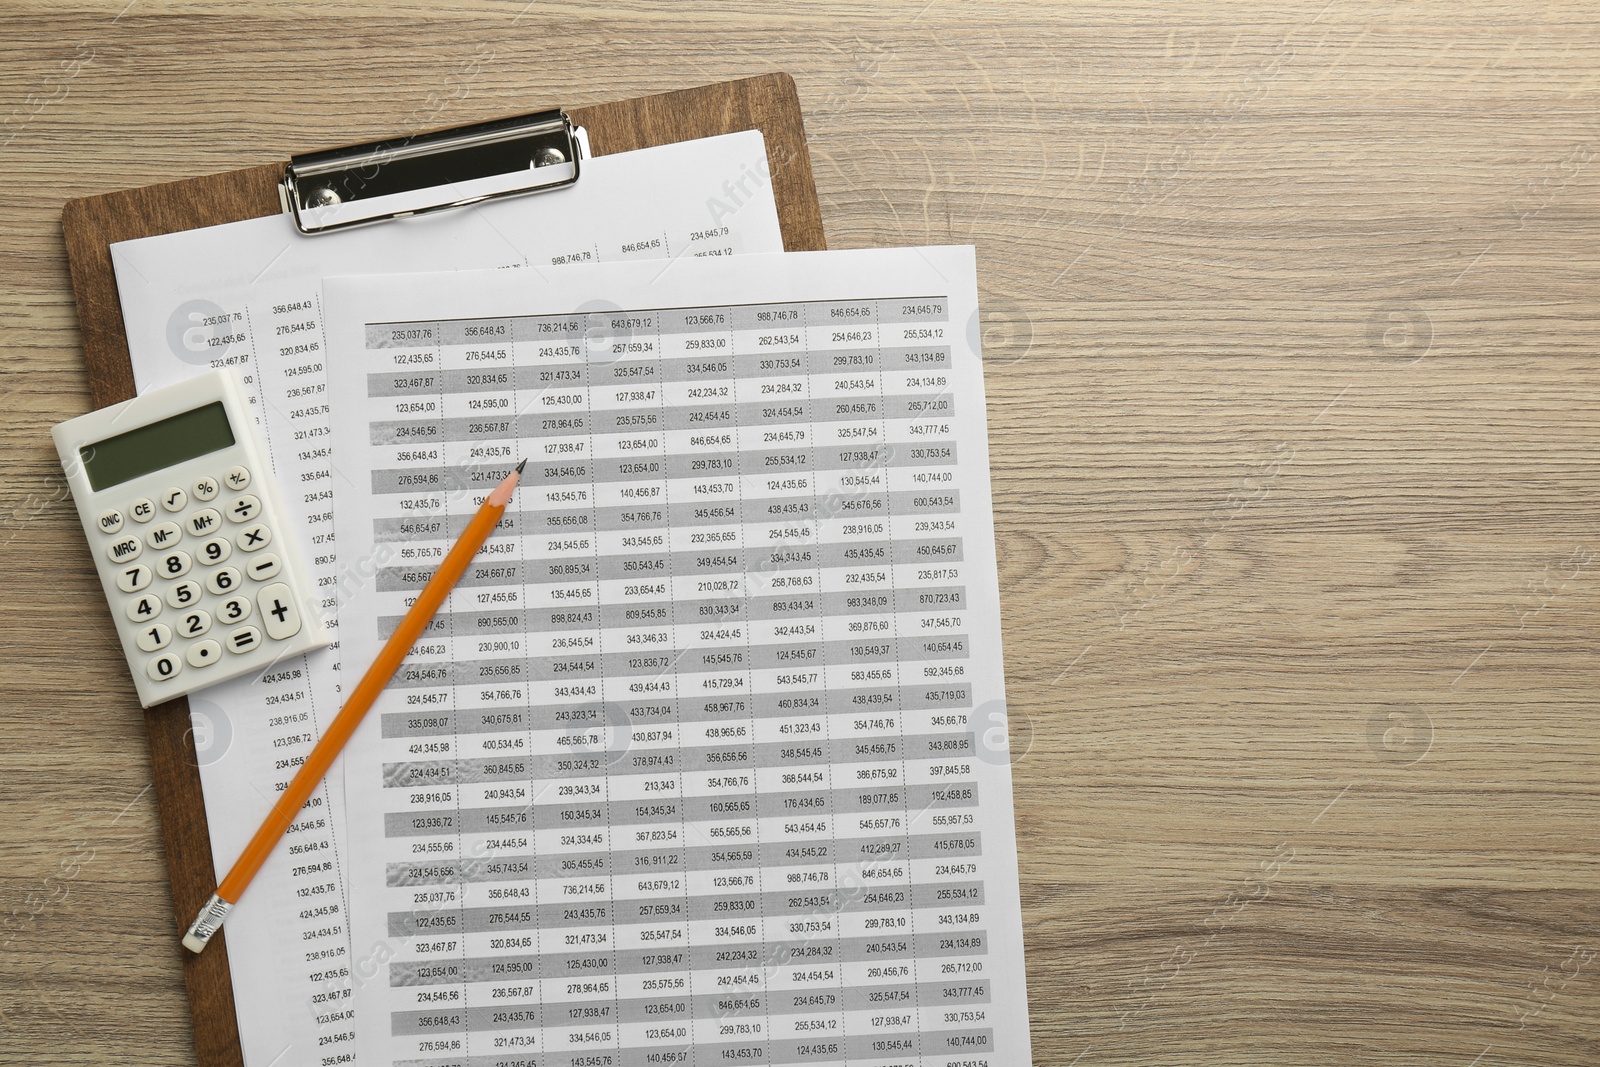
[248, 294]
[704, 760]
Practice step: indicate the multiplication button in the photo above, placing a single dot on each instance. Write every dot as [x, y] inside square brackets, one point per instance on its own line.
[255, 537]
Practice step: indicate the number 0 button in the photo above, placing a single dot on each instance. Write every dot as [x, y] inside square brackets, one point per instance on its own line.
[223, 581]
[163, 667]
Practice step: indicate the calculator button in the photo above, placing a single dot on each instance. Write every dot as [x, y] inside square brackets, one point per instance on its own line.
[278, 612]
[142, 510]
[109, 522]
[224, 581]
[134, 578]
[174, 499]
[215, 551]
[206, 489]
[144, 607]
[254, 537]
[194, 624]
[175, 564]
[244, 639]
[234, 609]
[185, 594]
[164, 535]
[264, 566]
[163, 667]
[204, 654]
[236, 478]
[244, 509]
[154, 638]
[205, 522]
[124, 549]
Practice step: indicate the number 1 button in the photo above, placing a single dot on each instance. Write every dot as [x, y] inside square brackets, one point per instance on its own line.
[278, 612]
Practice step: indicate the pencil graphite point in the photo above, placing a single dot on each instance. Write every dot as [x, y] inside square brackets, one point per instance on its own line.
[524, 463]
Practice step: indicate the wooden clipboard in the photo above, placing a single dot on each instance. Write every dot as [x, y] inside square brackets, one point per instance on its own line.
[768, 103]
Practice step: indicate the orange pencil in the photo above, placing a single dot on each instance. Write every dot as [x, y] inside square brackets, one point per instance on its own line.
[394, 652]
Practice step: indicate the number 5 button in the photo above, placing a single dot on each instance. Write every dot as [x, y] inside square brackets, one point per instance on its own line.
[278, 612]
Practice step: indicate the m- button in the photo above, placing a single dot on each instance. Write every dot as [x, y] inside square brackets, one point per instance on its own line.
[203, 522]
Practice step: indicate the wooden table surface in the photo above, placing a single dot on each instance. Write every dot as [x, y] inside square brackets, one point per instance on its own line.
[1291, 325]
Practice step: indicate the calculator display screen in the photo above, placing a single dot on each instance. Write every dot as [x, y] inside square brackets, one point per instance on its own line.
[160, 444]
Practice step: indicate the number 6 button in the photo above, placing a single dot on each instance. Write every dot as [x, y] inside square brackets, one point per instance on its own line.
[223, 581]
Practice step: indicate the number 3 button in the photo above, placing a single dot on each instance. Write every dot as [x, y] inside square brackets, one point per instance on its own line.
[223, 581]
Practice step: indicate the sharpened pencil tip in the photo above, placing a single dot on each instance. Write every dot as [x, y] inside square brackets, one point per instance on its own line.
[524, 463]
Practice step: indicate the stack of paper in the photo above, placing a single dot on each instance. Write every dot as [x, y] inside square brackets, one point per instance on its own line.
[705, 761]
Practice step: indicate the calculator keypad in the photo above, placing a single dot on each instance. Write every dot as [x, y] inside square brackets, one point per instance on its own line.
[213, 605]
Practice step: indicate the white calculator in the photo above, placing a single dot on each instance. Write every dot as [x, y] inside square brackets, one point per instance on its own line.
[190, 536]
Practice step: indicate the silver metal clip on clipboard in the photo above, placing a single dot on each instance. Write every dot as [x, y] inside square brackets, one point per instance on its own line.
[363, 184]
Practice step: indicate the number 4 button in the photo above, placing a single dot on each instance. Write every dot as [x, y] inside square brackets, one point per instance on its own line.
[278, 612]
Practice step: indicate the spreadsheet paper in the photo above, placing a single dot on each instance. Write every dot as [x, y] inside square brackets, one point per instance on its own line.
[703, 761]
[248, 294]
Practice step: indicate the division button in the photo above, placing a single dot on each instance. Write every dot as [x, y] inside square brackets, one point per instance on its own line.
[124, 550]
[109, 522]
[204, 654]
[278, 612]
[143, 509]
[174, 499]
[255, 537]
[264, 566]
[154, 638]
[163, 667]
[236, 478]
[244, 509]
[244, 639]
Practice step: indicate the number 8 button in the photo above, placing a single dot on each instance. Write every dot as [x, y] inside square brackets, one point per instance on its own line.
[223, 581]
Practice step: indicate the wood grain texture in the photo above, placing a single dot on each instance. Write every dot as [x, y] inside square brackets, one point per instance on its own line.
[1291, 324]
